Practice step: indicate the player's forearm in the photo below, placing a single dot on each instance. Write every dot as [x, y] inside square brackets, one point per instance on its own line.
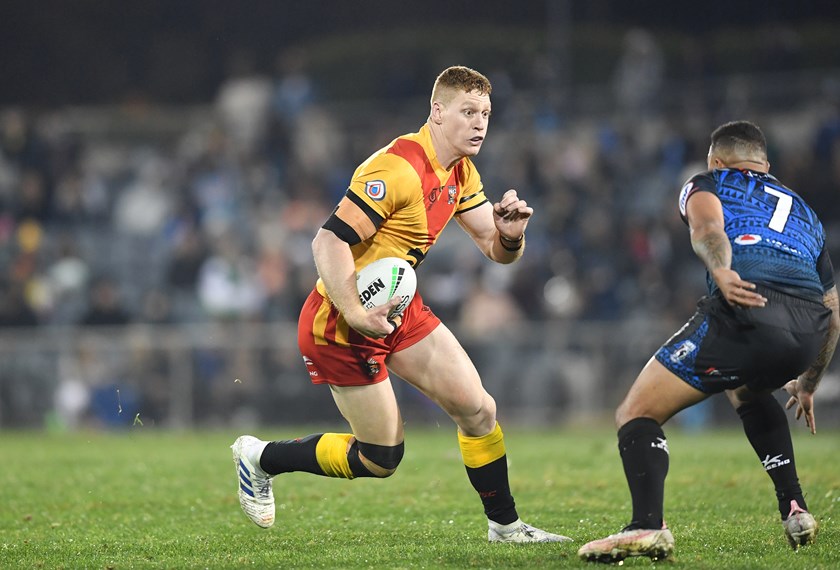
[712, 246]
[335, 265]
[811, 377]
[504, 250]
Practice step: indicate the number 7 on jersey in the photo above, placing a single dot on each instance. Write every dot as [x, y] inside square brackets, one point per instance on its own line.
[782, 211]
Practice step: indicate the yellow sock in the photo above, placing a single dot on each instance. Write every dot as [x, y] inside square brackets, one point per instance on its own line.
[331, 454]
[479, 451]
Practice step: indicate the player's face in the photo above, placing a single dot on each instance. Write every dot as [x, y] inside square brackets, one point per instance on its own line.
[465, 121]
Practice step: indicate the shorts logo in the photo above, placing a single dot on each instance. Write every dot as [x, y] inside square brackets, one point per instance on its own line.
[309, 365]
[684, 350]
[375, 189]
[747, 239]
[372, 367]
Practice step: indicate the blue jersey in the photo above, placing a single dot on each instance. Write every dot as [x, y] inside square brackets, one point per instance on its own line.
[776, 237]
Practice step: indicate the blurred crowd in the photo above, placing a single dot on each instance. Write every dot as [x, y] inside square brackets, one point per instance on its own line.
[215, 222]
[204, 214]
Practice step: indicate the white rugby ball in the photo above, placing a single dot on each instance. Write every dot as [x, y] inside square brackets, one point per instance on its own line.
[385, 278]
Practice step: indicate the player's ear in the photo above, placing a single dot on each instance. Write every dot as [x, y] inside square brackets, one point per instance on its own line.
[437, 112]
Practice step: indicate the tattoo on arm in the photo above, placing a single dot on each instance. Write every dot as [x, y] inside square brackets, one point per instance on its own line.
[714, 249]
[811, 377]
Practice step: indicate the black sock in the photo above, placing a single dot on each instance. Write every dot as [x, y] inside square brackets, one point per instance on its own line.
[766, 426]
[644, 453]
[291, 455]
[491, 482]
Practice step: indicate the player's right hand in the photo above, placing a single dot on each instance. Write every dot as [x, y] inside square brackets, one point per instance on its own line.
[736, 291]
[376, 322]
[805, 400]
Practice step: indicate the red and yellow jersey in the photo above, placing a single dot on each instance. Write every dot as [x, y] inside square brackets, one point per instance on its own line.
[400, 199]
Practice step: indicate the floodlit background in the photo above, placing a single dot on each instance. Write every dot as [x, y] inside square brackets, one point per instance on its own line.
[164, 166]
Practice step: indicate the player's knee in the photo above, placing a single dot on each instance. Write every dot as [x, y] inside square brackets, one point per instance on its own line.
[477, 417]
[623, 414]
[371, 460]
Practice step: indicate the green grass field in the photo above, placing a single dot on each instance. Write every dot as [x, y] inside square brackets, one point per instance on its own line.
[151, 499]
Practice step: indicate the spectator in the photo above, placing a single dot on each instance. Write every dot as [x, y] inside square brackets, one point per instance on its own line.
[228, 286]
[14, 308]
[105, 306]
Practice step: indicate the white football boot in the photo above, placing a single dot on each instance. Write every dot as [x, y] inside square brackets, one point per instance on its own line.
[255, 495]
[518, 531]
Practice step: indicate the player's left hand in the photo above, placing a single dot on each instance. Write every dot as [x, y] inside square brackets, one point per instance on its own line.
[735, 290]
[511, 214]
[804, 399]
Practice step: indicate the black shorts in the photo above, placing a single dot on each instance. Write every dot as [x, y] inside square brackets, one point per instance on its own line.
[722, 347]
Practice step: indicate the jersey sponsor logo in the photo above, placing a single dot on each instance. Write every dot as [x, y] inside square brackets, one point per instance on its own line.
[684, 350]
[684, 194]
[785, 247]
[375, 189]
[748, 239]
[435, 193]
[432, 196]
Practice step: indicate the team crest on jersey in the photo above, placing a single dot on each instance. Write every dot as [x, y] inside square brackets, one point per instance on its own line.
[748, 239]
[375, 189]
[453, 191]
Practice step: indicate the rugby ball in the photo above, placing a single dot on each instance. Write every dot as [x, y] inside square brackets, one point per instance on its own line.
[384, 279]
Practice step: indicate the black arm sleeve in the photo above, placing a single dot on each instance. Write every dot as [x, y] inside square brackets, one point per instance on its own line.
[344, 232]
[825, 269]
[342, 229]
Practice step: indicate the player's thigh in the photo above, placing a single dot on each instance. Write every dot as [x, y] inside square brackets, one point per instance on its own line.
[439, 367]
[371, 411]
[744, 395]
[657, 393]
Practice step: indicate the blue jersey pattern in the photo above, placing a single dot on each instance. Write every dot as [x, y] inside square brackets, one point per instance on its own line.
[776, 237]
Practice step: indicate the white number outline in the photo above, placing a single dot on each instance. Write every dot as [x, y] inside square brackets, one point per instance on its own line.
[782, 211]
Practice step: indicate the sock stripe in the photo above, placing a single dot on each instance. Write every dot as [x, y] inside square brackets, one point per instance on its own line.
[331, 453]
[482, 450]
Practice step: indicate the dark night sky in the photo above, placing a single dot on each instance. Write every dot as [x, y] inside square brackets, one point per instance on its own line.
[93, 51]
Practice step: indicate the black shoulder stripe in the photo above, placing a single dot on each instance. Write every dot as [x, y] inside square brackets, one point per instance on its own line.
[471, 207]
[369, 212]
[342, 230]
[470, 197]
